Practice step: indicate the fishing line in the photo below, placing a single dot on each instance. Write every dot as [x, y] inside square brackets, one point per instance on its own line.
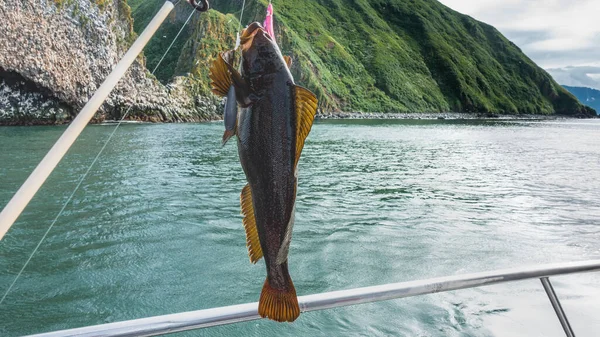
[242, 15]
[237, 40]
[93, 162]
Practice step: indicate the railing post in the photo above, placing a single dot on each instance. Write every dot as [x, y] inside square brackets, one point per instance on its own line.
[560, 313]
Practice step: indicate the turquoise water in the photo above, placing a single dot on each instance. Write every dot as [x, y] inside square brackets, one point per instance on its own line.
[155, 229]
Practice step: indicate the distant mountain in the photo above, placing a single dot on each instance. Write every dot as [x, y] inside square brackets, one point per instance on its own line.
[587, 96]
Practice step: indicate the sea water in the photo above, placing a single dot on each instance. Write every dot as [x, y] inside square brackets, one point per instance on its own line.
[156, 228]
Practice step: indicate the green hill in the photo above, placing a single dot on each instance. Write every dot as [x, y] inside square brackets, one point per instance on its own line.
[374, 56]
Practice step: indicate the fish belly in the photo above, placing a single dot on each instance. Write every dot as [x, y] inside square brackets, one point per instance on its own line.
[266, 143]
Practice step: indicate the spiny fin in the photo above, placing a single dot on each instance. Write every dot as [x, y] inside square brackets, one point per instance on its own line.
[288, 61]
[219, 74]
[252, 241]
[306, 109]
[278, 305]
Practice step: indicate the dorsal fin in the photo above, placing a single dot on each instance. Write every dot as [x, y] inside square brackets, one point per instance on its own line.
[288, 61]
[306, 109]
[252, 240]
[219, 74]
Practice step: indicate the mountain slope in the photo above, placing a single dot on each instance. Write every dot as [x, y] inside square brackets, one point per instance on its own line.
[587, 96]
[401, 56]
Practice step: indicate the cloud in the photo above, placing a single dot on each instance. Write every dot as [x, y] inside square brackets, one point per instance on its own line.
[586, 76]
[554, 33]
[560, 44]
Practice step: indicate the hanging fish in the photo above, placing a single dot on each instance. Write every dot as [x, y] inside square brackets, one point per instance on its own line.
[274, 120]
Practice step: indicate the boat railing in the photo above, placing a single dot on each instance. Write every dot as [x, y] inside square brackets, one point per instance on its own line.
[166, 324]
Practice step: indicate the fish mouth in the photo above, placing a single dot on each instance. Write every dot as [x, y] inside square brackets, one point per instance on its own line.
[250, 33]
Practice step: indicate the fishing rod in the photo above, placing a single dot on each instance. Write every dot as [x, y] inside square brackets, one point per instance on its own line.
[30, 187]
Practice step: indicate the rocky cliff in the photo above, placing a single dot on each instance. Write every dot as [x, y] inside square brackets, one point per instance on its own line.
[55, 54]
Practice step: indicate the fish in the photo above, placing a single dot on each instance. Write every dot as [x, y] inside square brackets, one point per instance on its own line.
[274, 119]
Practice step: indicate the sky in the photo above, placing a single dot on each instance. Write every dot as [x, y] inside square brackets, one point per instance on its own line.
[561, 36]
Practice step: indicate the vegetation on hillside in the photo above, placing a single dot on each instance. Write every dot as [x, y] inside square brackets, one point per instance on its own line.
[374, 55]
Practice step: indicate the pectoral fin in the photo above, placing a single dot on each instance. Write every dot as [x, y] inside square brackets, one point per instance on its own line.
[237, 79]
[220, 78]
[252, 241]
[288, 61]
[224, 75]
[230, 115]
[306, 109]
[242, 89]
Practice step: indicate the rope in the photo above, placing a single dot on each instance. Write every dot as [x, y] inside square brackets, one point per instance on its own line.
[91, 165]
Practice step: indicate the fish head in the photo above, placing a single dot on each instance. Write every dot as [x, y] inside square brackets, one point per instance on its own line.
[260, 53]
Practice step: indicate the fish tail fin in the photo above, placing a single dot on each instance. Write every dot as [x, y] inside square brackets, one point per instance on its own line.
[279, 305]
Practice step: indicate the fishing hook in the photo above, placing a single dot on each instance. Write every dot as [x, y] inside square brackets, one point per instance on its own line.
[201, 5]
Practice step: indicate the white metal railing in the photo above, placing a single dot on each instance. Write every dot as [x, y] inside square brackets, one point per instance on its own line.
[166, 324]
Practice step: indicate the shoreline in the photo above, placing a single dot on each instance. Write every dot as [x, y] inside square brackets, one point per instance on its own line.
[439, 116]
[338, 116]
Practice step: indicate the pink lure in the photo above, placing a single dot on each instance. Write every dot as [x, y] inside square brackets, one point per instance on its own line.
[269, 22]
